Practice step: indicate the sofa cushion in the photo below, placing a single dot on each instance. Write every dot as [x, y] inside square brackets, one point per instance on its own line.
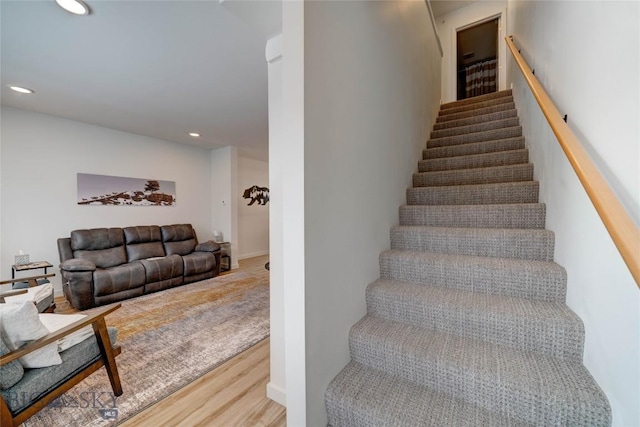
[20, 324]
[209, 246]
[142, 234]
[96, 239]
[178, 239]
[139, 251]
[168, 267]
[38, 382]
[76, 264]
[143, 242]
[104, 258]
[102, 246]
[119, 278]
[199, 263]
[10, 373]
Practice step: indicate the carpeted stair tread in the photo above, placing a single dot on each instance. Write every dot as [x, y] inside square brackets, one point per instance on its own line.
[541, 280]
[501, 158]
[544, 327]
[489, 135]
[516, 215]
[468, 323]
[477, 127]
[363, 397]
[477, 194]
[476, 106]
[482, 175]
[523, 215]
[479, 111]
[485, 147]
[483, 118]
[476, 99]
[529, 386]
[486, 242]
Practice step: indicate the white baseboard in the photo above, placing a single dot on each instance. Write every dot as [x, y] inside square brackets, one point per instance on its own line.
[253, 254]
[277, 394]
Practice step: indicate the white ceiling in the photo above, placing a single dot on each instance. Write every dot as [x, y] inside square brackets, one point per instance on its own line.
[155, 68]
[442, 7]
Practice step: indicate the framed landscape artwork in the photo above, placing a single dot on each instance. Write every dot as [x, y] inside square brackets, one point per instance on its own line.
[120, 191]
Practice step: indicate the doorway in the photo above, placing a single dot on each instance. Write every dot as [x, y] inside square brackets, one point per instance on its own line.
[477, 59]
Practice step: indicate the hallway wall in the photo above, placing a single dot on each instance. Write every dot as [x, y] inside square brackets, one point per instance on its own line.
[372, 85]
[586, 55]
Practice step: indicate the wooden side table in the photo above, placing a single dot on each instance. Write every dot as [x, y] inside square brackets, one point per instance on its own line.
[31, 266]
[225, 253]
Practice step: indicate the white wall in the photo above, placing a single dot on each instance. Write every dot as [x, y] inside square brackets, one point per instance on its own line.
[291, 151]
[224, 197]
[371, 90]
[586, 55]
[253, 221]
[449, 24]
[41, 156]
[276, 389]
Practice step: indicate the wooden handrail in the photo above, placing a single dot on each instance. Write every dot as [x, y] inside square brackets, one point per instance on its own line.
[623, 231]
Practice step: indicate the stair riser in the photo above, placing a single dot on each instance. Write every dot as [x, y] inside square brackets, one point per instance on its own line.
[493, 276]
[467, 324]
[485, 388]
[485, 175]
[478, 112]
[479, 127]
[486, 147]
[475, 106]
[515, 244]
[562, 338]
[525, 192]
[526, 216]
[477, 99]
[484, 118]
[486, 160]
[510, 132]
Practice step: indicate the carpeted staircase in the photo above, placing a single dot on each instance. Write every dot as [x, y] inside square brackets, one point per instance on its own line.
[467, 325]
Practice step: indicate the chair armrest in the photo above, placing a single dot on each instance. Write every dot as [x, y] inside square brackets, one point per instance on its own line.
[77, 264]
[93, 319]
[3, 295]
[33, 280]
[209, 246]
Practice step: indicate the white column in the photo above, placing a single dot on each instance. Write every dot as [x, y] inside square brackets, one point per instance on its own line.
[277, 153]
[293, 179]
[224, 196]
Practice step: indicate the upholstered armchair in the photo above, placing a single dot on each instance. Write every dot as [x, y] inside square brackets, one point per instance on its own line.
[23, 390]
[35, 288]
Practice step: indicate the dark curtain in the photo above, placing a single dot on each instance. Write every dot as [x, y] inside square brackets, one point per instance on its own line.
[481, 78]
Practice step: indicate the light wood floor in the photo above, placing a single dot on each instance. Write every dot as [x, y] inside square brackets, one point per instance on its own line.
[234, 394]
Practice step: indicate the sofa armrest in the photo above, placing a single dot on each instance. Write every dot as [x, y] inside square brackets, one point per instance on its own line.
[77, 264]
[96, 320]
[209, 246]
[77, 282]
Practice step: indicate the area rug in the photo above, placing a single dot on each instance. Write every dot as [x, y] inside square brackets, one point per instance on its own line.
[168, 340]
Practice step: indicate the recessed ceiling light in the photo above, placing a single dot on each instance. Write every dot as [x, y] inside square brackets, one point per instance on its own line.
[21, 89]
[77, 7]
[194, 134]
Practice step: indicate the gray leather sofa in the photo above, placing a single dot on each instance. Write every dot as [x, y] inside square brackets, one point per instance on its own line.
[104, 265]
